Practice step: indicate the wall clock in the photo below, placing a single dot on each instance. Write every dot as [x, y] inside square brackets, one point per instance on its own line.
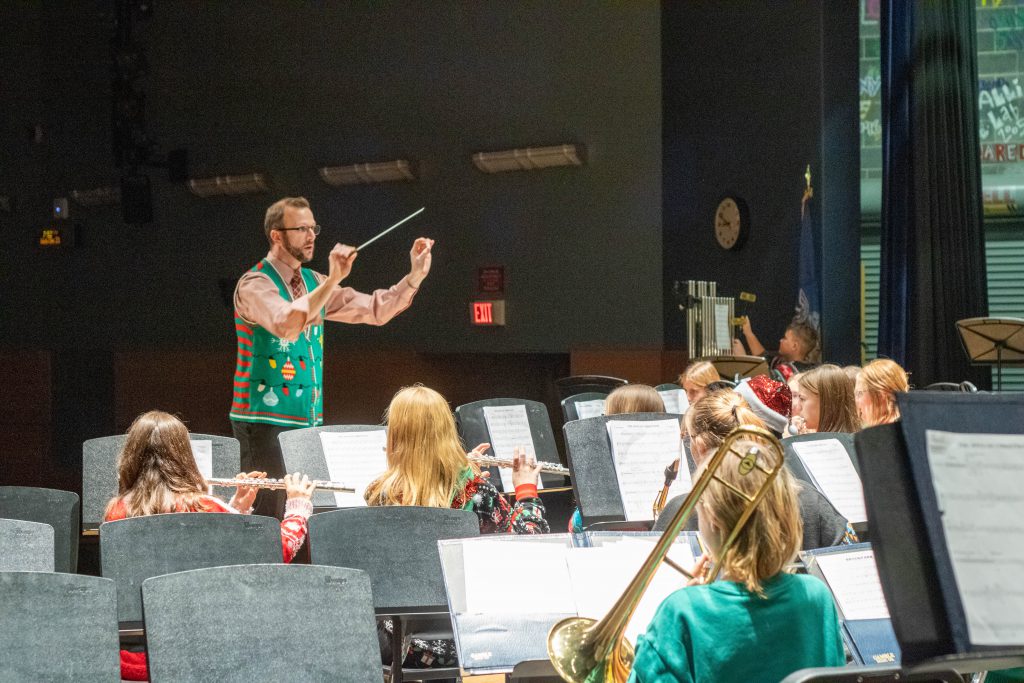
[732, 223]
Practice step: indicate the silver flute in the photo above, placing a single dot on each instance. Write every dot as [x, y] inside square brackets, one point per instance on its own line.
[492, 461]
[335, 486]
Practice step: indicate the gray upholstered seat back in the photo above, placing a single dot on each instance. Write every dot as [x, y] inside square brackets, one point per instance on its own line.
[261, 623]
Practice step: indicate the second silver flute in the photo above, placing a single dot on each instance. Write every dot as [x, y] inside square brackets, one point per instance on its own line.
[335, 486]
[491, 461]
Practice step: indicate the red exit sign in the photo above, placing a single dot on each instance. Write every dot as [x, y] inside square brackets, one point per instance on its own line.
[488, 313]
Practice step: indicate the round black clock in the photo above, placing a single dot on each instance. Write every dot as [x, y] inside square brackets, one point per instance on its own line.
[732, 223]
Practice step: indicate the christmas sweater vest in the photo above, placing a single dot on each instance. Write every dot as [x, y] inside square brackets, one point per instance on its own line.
[278, 381]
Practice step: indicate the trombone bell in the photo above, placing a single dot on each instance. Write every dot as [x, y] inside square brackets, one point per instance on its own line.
[578, 664]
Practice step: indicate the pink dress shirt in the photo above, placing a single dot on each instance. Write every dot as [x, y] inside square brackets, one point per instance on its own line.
[259, 302]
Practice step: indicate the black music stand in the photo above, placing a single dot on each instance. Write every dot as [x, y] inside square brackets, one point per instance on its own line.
[913, 561]
[993, 341]
[734, 368]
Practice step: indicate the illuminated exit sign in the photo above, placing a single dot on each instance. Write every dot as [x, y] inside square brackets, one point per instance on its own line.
[488, 313]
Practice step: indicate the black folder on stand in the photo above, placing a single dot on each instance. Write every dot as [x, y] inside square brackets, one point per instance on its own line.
[913, 560]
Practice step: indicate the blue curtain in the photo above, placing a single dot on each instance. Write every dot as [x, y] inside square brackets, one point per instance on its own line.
[933, 246]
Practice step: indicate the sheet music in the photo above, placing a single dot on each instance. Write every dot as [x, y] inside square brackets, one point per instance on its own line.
[675, 401]
[978, 479]
[723, 330]
[535, 580]
[829, 465]
[592, 408]
[202, 451]
[853, 579]
[641, 451]
[354, 459]
[508, 427]
[600, 575]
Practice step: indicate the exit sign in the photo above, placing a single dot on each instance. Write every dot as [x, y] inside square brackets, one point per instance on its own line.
[487, 313]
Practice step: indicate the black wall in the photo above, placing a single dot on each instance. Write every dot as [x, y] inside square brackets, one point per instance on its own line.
[753, 92]
[285, 87]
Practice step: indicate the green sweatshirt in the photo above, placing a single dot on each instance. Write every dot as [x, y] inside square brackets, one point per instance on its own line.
[721, 632]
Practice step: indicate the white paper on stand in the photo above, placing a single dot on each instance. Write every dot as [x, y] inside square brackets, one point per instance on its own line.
[593, 408]
[641, 450]
[675, 401]
[354, 459]
[600, 575]
[978, 479]
[828, 463]
[202, 451]
[509, 427]
[543, 589]
[723, 330]
[853, 579]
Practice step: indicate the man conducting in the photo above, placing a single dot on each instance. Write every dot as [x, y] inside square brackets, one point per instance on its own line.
[280, 309]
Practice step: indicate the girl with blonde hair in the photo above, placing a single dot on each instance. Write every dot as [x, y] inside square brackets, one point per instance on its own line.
[826, 400]
[875, 392]
[695, 379]
[706, 629]
[427, 465]
[634, 398]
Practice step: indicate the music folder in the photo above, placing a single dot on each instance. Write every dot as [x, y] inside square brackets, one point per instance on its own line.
[850, 574]
[500, 622]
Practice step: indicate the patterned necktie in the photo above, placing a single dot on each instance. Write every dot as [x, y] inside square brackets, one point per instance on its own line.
[296, 284]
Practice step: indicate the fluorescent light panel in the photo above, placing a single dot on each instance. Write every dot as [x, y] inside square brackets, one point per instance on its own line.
[361, 174]
[249, 183]
[529, 158]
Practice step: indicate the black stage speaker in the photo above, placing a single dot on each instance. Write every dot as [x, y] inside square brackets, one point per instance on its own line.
[136, 199]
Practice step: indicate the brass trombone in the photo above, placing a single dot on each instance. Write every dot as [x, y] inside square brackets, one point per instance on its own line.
[583, 649]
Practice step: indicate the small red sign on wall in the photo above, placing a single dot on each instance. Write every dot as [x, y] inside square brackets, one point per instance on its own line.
[491, 279]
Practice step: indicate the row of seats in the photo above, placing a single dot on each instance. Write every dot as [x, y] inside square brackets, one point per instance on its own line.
[391, 549]
[233, 623]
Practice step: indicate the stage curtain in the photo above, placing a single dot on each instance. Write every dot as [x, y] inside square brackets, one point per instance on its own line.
[933, 246]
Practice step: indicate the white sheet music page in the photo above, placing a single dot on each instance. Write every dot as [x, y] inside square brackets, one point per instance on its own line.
[675, 401]
[508, 427]
[978, 480]
[202, 451]
[354, 459]
[641, 450]
[853, 579]
[593, 408]
[829, 465]
[543, 589]
[600, 575]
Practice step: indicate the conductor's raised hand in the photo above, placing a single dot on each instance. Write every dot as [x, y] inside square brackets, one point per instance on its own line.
[298, 486]
[341, 258]
[525, 469]
[419, 258]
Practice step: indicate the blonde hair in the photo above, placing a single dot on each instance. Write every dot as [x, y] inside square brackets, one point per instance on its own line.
[275, 213]
[634, 398]
[771, 536]
[809, 340]
[156, 470]
[712, 418]
[424, 454]
[883, 379]
[837, 411]
[700, 374]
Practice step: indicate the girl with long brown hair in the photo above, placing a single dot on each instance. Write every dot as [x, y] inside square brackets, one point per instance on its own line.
[157, 473]
[826, 400]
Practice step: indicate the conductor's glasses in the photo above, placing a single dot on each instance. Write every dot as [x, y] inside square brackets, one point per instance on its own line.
[305, 229]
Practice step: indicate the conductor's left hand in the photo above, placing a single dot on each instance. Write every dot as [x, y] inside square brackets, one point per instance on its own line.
[419, 257]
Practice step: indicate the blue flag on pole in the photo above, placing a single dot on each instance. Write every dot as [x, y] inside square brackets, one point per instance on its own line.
[808, 304]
